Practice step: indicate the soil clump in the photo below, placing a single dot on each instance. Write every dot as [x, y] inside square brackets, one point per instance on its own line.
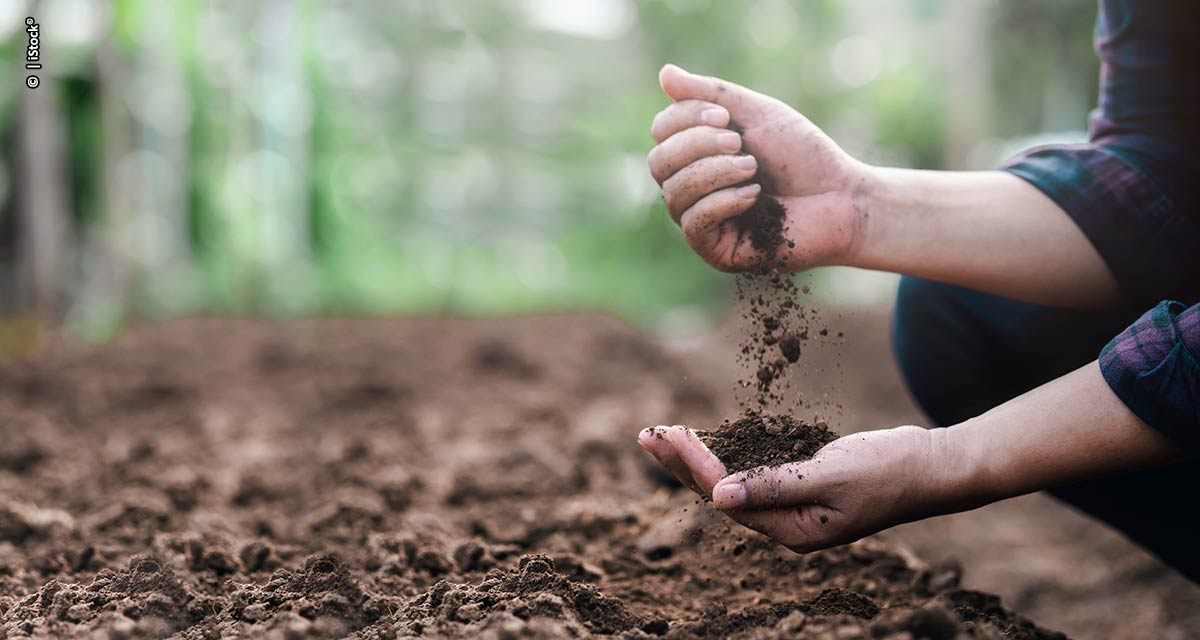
[759, 440]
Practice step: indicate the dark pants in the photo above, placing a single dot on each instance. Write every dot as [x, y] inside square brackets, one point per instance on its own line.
[962, 352]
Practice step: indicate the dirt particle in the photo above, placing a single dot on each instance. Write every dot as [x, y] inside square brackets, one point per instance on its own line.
[789, 346]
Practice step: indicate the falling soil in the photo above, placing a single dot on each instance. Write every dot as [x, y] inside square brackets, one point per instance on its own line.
[770, 309]
[774, 331]
[758, 440]
[426, 477]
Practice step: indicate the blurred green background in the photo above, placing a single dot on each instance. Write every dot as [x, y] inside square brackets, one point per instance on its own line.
[282, 157]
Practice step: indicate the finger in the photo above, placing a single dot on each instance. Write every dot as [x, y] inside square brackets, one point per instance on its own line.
[682, 85]
[688, 146]
[702, 224]
[787, 485]
[686, 114]
[655, 441]
[706, 468]
[704, 176]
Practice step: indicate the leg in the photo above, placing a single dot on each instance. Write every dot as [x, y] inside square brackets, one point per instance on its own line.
[962, 352]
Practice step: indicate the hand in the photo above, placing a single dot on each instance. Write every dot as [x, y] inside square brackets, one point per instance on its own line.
[710, 174]
[855, 486]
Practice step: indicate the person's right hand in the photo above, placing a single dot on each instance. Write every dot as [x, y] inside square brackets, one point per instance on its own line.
[702, 167]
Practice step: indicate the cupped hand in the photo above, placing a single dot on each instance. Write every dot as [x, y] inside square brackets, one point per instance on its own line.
[855, 486]
[710, 174]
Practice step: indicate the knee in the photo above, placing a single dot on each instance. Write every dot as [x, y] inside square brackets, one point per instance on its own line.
[938, 351]
[911, 326]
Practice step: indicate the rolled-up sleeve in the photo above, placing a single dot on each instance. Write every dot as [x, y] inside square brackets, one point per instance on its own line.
[1132, 219]
[1153, 369]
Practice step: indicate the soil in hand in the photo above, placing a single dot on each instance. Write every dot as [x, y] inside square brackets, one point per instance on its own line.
[760, 440]
[763, 224]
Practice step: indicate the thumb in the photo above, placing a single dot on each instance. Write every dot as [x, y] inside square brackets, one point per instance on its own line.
[681, 85]
[787, 485]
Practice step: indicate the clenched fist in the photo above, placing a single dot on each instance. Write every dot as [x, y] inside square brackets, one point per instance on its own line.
[710, 173]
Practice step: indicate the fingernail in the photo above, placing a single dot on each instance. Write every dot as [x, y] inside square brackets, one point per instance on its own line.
[745, 162]
[730, 496]
[714, 117]
[748, 191]
[729, 141]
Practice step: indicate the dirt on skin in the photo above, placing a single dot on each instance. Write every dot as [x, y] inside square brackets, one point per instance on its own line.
[425, 477]
[758, 440]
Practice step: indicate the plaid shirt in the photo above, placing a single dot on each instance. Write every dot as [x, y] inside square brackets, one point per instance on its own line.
[1134, 191]
[1152, 367]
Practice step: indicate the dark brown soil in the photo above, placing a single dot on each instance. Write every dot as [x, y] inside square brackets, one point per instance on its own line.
[759, 440]
[763, 224]
[426, 477]
[838, 601]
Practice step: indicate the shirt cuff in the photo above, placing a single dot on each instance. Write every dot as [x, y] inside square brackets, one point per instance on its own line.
[1153, 369]
[1128, 219]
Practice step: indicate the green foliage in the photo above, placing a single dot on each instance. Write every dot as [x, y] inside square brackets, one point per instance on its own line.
[478, 157]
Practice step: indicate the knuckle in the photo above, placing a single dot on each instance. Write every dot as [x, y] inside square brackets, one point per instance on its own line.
[683, 181]
[732, 160]
[660, 123]
[764, 491]
[655, 163]
[774, 491]
[695, 225]
[725, 266]
[669, 196]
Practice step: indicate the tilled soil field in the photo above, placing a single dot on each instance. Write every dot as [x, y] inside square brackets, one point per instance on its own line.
[395, 478]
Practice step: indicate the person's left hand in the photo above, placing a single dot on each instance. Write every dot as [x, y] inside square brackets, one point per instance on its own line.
[855, 486]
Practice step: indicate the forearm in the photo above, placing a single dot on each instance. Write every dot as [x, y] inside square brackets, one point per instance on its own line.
[988, 231]
[1067, 430]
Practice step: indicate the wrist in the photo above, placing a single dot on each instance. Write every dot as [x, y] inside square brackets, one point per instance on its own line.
[963, 479]
[934, 468]
[868, 187]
